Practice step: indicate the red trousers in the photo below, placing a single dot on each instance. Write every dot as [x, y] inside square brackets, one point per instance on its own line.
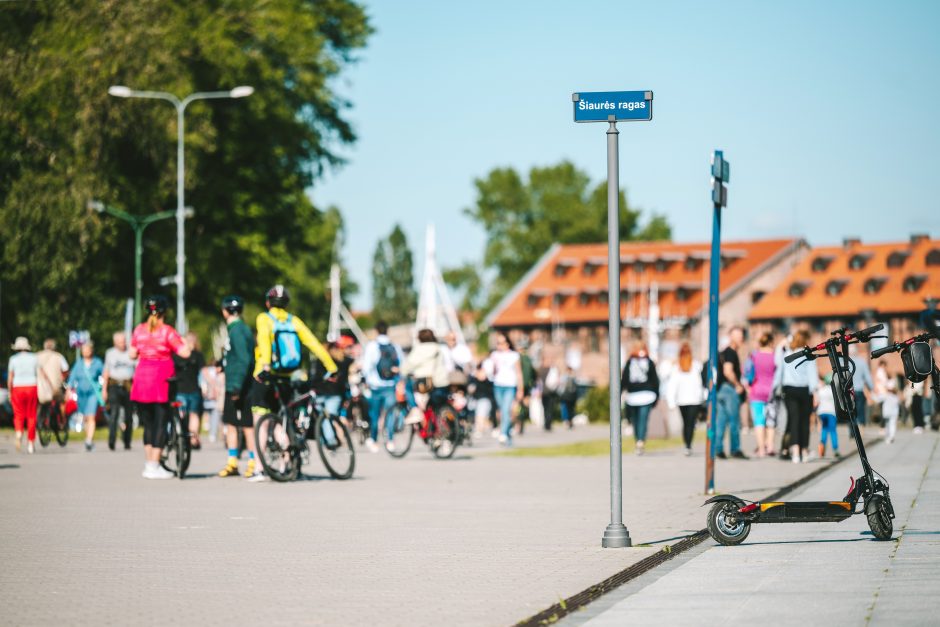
[24, 400]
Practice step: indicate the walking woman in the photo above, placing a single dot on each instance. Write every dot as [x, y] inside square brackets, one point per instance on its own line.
[761, 385]
[799, 388]
[507, 384]
[24, 396]
[641, 383]
[85, 379]
[154, 343]
[686, 392]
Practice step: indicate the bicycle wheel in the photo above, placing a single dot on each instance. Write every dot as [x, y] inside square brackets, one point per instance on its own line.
[402, 435]
[44, 424]
[184, 452]
[446, 435]
[335, 447]
[360, 421]
[273, 443]
[60, 424]
[168, 456]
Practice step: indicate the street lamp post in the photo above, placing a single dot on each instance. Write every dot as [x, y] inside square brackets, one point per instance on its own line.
[122, 91]
[138, 223]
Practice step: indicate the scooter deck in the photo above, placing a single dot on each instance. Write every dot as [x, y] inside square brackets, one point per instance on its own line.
[803, 511]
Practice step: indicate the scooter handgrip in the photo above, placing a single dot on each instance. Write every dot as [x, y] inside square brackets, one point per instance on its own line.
[794, 356]
[891, 348]
[864, 334]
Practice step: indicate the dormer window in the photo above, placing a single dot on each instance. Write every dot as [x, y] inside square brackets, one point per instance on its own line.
[933, 257]
[584, 299]
[682, 294]
[874, 285]
[691, 264]
[835, 287]
[662, 265]
[560, 270]
[639, 267]
[602, 298]
[858, 262]
[913, 282]
[821, 264]
[532, 300]
[897, 258]
[797, 289]
[588, 269]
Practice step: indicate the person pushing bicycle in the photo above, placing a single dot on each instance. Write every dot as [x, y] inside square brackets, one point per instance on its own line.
[280, 335]
[238, 363]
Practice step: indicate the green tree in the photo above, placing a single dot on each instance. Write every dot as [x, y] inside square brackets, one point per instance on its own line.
[393, 292]
[249, 162]
[468, 282]
[522, 219]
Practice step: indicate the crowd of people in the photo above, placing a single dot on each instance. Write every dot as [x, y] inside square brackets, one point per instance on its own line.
[501, 391]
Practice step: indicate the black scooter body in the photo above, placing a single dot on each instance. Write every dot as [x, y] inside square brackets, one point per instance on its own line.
[730, 518]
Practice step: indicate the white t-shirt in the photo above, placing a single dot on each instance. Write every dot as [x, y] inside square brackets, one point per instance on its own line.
[22, 367]
[504, 368]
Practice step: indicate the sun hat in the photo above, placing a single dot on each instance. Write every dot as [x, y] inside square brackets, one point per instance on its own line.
[21, 344]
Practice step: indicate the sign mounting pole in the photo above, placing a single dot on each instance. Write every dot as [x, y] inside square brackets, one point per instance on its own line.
[612, 107]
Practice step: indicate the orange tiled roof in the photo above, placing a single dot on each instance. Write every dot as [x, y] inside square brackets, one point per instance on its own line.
[892, 278]
[569, 284]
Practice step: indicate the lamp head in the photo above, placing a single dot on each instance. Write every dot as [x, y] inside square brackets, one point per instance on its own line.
[242, 91]
[96, 205]
[120, 91]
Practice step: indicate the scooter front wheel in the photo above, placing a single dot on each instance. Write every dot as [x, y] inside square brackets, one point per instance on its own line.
[725, 524]
[878, 512]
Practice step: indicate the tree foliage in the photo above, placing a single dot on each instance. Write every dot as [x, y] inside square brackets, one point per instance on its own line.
[64, 140]
[523, 218]
[394, 299]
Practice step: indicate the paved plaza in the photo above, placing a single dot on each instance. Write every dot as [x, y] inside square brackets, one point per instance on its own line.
[481, 539]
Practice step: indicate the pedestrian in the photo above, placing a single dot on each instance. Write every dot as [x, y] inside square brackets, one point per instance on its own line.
[481, 390]
[153, 343]
[22, 380]
[916, 391]
[51, 370]
[863, 384]
[85, 378]
[116, 390]
[238, 362]
[507, 384]
[567, 396]
[685, 391]
[890, 409]
[760, 384]
[212, 387]
[641, 384]
[188, 392]
[551, 401]
[729, 394]
[826, 410]
[331, 387]
[381, 364]
[458, 359]
[799, 387]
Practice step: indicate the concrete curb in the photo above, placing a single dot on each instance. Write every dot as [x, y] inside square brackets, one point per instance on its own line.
[577, 601]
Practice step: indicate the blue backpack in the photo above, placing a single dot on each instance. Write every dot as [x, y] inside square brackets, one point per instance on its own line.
[285, 349]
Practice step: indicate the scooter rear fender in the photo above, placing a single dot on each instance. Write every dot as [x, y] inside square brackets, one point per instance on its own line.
[722, 498]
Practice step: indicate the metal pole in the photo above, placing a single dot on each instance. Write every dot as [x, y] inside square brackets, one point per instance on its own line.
[138, 255]
[180, 225]
[616, 534]
[713, 291]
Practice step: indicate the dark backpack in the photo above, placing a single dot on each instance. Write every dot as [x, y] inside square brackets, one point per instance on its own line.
[388, 362]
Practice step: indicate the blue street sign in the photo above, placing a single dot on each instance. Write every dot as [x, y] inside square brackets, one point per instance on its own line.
[613, 106]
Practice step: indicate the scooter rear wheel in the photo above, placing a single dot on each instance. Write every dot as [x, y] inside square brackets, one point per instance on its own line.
[724, 526]
[877, 510]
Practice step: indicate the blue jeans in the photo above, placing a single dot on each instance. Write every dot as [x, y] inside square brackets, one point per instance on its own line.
[504, 398]
[729, 408]
[828, 422]
[330, 406]
[639, 417]
[380, 402]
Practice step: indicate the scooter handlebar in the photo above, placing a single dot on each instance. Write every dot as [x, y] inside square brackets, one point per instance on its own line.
[865, 334]
[878, 352]
[794, 356]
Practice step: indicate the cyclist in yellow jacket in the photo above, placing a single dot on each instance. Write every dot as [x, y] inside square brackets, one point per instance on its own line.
[277, 353]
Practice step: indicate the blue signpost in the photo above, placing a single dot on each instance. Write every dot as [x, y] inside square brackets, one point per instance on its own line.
[611, 107]
[721, 173]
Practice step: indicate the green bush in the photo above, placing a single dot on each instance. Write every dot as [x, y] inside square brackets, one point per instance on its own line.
[595, 404]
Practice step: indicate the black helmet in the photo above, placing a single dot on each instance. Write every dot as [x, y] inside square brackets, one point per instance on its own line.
[233, 304]
[155, 305]
[278, 296]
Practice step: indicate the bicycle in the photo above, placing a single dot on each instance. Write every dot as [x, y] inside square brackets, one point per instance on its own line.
[441, 430]
[51, 420]
[177, 453]
[357, 409]
[281, 438]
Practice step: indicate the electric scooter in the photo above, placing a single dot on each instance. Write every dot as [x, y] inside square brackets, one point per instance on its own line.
[731, 517]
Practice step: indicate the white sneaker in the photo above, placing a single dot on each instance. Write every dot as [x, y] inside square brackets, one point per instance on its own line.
[795, 459]
[156, 471]
[495, 433]
[390, 447]
[372, 446]
[414, 417]
[805, 457]
[502, 439]
[258, 477]
[30, 449]
[918, 430]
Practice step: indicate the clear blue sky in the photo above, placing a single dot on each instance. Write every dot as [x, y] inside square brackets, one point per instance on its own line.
[827, 111]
